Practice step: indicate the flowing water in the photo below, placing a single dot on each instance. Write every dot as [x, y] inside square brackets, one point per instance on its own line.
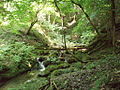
[21, 79]
[41, 66]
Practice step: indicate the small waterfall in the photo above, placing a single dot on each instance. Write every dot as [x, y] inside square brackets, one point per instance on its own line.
[41, 65]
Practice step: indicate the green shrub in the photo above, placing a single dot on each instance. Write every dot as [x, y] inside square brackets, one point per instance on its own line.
[16, 53]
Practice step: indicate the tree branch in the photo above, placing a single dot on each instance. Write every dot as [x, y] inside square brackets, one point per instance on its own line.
[87, 16]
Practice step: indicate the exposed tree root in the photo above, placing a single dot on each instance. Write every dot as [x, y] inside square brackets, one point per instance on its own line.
[99, 42]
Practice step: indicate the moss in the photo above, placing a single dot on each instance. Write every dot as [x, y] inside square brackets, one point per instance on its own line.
[34, 84]
[13, 89]
[99, 82]
[77, 65]
[62, 84]
[27, 81]
[90, 76]
[73, 67]
[52, 68]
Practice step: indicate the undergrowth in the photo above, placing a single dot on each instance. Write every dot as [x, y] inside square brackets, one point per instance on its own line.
[15, 54]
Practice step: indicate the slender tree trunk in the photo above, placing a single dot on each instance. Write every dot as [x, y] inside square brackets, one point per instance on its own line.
[113, 21]
[33, 22]
[87, 16]
[64, 32]
[31, 26]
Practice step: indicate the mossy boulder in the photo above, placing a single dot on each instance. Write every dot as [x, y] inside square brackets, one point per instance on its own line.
[34, 84]
[52, 68]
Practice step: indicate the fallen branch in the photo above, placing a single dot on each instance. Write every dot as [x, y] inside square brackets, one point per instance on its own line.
[87, 16]
[55, 85]
[73, 48]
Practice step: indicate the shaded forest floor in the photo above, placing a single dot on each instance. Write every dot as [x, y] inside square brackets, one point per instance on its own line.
[100, 74]
[99, 71]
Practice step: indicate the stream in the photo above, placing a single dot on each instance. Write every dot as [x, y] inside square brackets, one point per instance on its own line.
[39, 75]
[20, 79]
[23, 78]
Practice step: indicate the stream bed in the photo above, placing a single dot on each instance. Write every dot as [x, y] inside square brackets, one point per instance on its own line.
[18, 80]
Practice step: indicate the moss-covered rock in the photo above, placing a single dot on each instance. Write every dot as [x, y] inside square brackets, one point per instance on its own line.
[51, 68]
[33, 84]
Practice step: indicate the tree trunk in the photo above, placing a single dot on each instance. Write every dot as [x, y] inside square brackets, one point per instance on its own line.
[62, 17]
[64, 34]
[34, 22]
[31, 26]
[113, 21]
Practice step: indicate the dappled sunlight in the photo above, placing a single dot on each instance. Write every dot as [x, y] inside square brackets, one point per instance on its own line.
[59, 44]
[9, 6]
[44, 33]
[5, 23]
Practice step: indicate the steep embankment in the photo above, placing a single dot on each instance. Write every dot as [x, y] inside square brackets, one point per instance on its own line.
[17, 54]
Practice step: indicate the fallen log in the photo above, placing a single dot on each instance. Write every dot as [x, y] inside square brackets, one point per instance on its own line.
[73, 48]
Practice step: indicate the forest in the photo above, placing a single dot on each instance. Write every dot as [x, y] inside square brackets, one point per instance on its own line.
[59, 44]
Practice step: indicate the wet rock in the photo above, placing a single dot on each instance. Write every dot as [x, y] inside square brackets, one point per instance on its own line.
[52, 68]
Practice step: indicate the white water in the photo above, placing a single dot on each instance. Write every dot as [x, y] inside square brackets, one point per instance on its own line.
[41, 65]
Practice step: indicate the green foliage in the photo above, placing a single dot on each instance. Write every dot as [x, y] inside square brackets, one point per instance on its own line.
[77, 65]
[99, 82]
[61, 71]
[16, 53]
[74, 67]
[87, 37]
[19, 15]
[53, 56]
[102, 69]
[52, 59]
[66, 7]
